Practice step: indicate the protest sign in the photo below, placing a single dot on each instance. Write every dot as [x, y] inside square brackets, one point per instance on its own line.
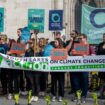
[80, 49]
[36, 19]
[55, 20]
[17, 48]
[1, 19]
[25, 34]
[59, 54]
[46, 64]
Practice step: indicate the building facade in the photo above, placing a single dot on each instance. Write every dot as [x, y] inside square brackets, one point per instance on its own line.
[16, 14]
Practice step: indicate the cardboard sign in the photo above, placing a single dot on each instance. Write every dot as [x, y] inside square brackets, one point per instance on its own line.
[80, 49]
[18, 48]
[59, 54]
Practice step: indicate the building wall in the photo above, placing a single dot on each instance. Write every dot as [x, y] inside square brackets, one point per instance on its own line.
[16, 14]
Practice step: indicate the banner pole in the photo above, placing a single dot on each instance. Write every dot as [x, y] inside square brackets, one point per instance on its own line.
[35, 42]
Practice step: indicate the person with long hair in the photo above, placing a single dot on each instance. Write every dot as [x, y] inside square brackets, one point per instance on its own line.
[42, 75]
[57, 77]
[32, 76]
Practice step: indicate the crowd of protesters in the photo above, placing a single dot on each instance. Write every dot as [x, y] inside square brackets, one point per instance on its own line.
[15, 82]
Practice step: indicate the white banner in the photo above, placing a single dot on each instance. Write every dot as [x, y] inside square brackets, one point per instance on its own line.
[72, 63]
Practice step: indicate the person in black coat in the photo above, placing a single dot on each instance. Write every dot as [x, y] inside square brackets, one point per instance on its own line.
[101, 51]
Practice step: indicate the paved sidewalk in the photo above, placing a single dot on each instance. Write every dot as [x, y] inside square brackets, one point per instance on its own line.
[41, 101]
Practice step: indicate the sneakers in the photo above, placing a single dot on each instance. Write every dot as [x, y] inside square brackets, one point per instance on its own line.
[74, 99]
[53, 99]
[60, 99]
[34, 99]
[83, 100]
[42, 94]
[9, 97]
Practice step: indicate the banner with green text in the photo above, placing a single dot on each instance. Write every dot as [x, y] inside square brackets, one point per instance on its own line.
[93, 23]
[72, 63]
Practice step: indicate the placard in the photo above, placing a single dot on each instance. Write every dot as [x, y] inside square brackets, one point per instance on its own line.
[59, 54]
[80, 49]
[18, 48]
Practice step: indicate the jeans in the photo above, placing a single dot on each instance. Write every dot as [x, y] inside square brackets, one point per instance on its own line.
[60, 78]
[80, 82]
[3, 76]
[34, 80]
[42, 81]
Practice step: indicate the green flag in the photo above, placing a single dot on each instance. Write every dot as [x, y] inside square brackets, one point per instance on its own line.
[93, 23]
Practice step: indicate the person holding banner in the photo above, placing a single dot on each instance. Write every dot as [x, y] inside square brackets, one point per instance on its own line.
[3, 74]
[69, 46]
[42, 75]
[101, 51]
[21, 76]
[33, 77]
[11, 73]
[57, 76]
[80, 79]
